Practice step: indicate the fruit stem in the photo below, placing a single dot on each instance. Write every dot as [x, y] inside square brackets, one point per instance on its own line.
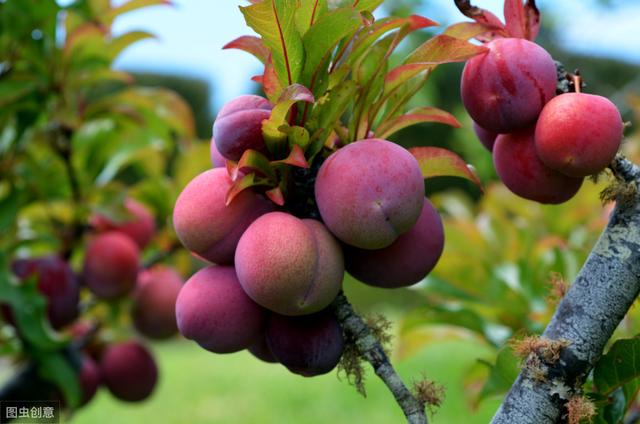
[577, 82]
[371, 350]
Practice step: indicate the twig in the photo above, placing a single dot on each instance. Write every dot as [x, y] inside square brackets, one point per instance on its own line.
[587, 316]
[373, 352]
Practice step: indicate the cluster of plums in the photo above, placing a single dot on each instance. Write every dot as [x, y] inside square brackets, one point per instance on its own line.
[543, 145]
[112, 272]
[274, 275]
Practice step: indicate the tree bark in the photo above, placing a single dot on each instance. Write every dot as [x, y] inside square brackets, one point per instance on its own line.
[587, 316]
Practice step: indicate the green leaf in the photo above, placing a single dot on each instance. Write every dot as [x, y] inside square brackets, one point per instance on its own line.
[466, 30]
[416, 116]
[271, 127]
[619, 366]
[322, 38]
[254, 161]
[274, 20]
[250, 44]
[248, 181]
[502, 374]
[403, 73]
[295, 158]
[118, 44]
[444, 49]
[12, 90]
[309, 12]
[9, 207]
[57, 368]
[360, 5]
[439, 162]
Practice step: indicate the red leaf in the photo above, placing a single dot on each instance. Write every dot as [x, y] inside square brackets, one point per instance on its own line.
[254, 161]
[416, 116]
[467, 30]
[250, 44]
[438, 162]
[483, 17]
[295, 158]
[276, 196]
[522, 21]
[247, 181]
[270, 82]
[444, 49]
[403, 73]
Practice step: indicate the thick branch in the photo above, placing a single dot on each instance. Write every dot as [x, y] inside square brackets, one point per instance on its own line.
[371, 350]
[587, 316]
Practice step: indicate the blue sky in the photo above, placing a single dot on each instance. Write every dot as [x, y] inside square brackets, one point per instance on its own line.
[191, 35]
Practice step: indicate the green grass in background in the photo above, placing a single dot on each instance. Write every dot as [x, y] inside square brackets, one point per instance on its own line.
[200, 387]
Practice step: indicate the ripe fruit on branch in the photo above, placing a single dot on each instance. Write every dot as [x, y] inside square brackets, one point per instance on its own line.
[407, 260]
[57, 282]
[505, 89]
[154, 302]
[217, 160]
[578, 134]
[111, 265]
[213, 310]
[129, 371]
[140, 227]
[89, 378]
[486, 137]
[288, 265]
[238, 126]
[518, 165]
[308, 345]
[208, 227]
[369, 192]
[260, 350]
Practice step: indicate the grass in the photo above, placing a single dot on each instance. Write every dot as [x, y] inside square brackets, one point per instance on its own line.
[200, 387]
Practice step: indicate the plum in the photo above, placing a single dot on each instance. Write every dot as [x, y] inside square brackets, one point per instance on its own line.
[505, 88]
[140, 226]
[214, 311]
[208, 227]
[89, 378]
[57, 282]
[238, 126]
[578, 134]
[518, 165]
[407, 260]
[369, 192]
[129, 371]
[288, 265]
[111, 265]
[308, 345]
[260, 350]
[486, 137]
[154, 302]
[217, 160]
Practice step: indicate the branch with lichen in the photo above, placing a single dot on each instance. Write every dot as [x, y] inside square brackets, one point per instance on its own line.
[546, 390]
[367, 342]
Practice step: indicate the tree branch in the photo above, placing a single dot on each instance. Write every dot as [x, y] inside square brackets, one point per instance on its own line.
[587, 316]
[373, 352]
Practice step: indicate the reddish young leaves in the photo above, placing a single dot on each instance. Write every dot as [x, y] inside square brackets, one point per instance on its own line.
[438, 162]
[250, 44]
[416, 116]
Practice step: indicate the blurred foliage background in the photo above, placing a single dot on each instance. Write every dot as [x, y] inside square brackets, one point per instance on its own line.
[146, 134]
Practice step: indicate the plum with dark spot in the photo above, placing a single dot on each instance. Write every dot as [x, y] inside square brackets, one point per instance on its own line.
[505, 89]
[370, 192]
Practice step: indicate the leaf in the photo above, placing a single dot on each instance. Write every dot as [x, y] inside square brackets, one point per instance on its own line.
[619, 366]
[253, 161]
[444, 49]
[118, 44]
[416, 116]
[308, 14]
[12, 90]
[295, 158]
[403, 73]
[522, 21]
[57, 368]
[250, 44]
[439, 162]
[322, 38]
[276, 196]
[270, 83]
[481, 16]
[130, 6]
[274, 20]
[360, 5]
[247, 181]
[270, 127]
[502, 374]
[467, 30]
